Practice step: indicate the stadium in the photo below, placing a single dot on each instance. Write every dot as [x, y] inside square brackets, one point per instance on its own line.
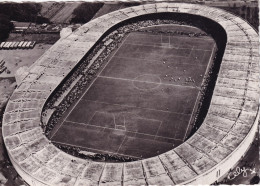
[156, 94]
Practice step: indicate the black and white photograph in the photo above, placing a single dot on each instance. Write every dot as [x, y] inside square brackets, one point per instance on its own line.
[129, 93]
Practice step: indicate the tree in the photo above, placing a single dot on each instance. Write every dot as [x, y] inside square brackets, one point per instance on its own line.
[26, 12]
[129, 4]
[5, 27]
[243, 8]
[85, 12]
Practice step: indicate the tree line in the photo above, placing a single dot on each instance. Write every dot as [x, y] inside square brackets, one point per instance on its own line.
[23, 12]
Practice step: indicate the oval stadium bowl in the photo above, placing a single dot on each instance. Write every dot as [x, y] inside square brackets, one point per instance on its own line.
[207, 156]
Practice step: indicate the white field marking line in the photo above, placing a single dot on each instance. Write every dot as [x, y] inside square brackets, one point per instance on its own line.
[178, 126]
[124, 123]
[132, 80]
[157, 60]
[190, 51]
[95, 126]
[104, 113]
[166, 138]
[135, 107]
[143, 118]
[158, 130]
[86, 124]
[149, 89]
[114, 120]
[92, 116]
[198, 92]
[204, 57]
[121, 144]
[91, 149]
[135, 132]
[74, 107]
[139, 44]
[185, 37]
[113, 55]
[170, 42]
[189, 38]
[140, 117]
[89, 87]
[102, 130]
[202, 61]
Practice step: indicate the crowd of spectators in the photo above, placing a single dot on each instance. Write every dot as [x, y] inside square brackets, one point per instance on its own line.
[87, 74]
[204, 93]
[175, 32]
[76, 151]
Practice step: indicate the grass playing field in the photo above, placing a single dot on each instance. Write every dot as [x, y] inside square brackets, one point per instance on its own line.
[143, 100]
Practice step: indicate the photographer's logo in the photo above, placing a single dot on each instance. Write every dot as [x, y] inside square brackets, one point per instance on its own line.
[238, 171]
